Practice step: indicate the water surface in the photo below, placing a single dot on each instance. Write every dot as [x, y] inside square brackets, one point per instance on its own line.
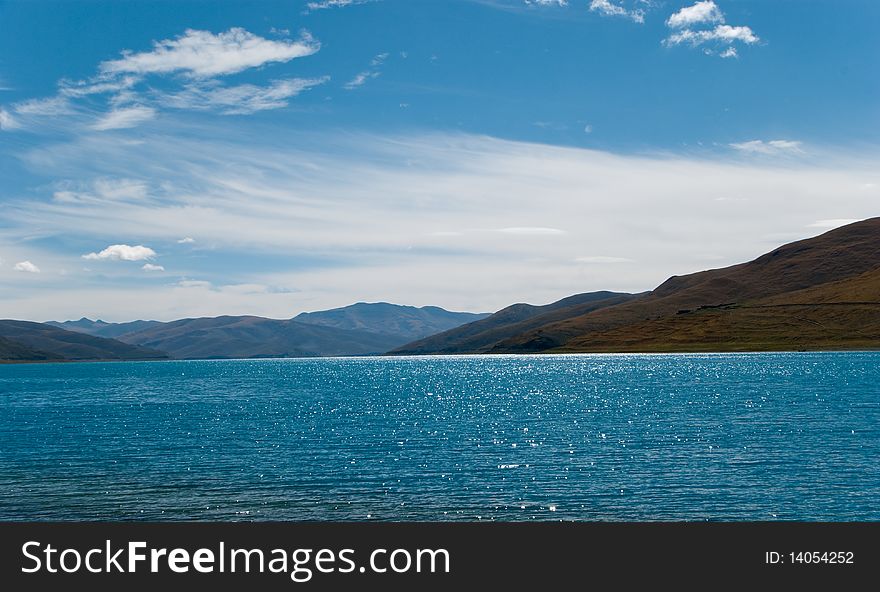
[792, 436]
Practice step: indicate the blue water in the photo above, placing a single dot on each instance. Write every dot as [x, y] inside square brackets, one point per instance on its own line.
[593, 437]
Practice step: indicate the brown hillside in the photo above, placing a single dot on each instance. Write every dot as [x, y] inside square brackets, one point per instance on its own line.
[729, 308]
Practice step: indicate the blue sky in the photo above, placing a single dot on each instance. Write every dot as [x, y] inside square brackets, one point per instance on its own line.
[165, 159]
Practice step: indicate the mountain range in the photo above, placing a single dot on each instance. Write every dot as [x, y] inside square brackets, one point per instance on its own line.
[359, 329]
[818, 293]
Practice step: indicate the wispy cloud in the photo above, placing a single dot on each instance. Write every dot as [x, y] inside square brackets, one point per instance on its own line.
[325, 4]
[152, 267]
[243, 99]
[361, 78]
[608, 8]
[204, 54]
[186, 241]
[7, 121]
[122, 253]
[52, 106]
[192, 64]
[347, 217]
[124, 118]
[547, 2]
[770, 147]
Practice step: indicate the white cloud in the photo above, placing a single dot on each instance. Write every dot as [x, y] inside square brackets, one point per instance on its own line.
[701, 12]
[770, 147]
[44, 107]
[124, 118]
[361, 78]
[151, 267]
[720, 39]
[7, 121]
[725, 34]
[100, 85]
[242, 99]
[325, 4]
[26, 267]
[608, 8]
[548, 2]
[348, 217]
[203, 54]
[186, 241]
[123, 253]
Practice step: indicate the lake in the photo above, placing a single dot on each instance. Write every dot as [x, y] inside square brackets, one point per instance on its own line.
[770, 436]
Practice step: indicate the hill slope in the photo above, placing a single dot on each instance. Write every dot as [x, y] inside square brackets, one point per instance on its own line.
[484, 335]
[26, 341]
[256, 337]
[818, 293]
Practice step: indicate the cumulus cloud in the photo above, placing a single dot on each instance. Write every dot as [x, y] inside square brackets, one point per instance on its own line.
[722, 33]
[701, 12]
[123, 253]
[26, 267]
[718, 40]
[769, 147]
[124, 118]
[186, 241]
[608, 8]
[151, 267]
[243, 99]
[204, 54]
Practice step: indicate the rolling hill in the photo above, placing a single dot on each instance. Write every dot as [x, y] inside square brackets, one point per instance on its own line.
[359, 329]
[483, 336]
[100, 328]
[26, 341]
[818, 293]
[256, 337]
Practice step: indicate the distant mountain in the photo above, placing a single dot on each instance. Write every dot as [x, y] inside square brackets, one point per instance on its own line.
[26, 341]
[484, 335]
[818, 293]
[359, 329]
[257, 337]
[100, 328]
[406, 323]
